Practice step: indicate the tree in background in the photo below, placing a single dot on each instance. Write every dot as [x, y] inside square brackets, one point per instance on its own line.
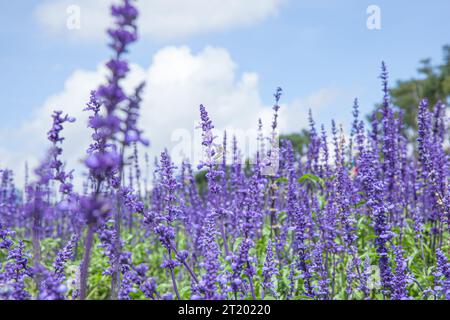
[299, 140]
[434, 83]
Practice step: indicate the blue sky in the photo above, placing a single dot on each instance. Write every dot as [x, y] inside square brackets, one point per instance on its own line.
[308, 45]
[304, 46]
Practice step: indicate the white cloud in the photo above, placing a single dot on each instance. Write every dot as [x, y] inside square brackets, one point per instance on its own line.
[177, 82]
[160, 19]
[296, 115]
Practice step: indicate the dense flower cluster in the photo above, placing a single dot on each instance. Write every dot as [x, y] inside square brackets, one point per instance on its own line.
[364, 216]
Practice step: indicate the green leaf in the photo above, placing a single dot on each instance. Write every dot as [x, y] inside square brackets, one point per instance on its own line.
[282, 179]
[312, 178]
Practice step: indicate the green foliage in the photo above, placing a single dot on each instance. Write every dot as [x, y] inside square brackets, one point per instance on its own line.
[200, 180]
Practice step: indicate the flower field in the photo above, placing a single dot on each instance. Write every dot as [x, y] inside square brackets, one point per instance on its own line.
[359, 216]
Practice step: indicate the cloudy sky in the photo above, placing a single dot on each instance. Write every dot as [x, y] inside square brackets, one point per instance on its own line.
[227, 54]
